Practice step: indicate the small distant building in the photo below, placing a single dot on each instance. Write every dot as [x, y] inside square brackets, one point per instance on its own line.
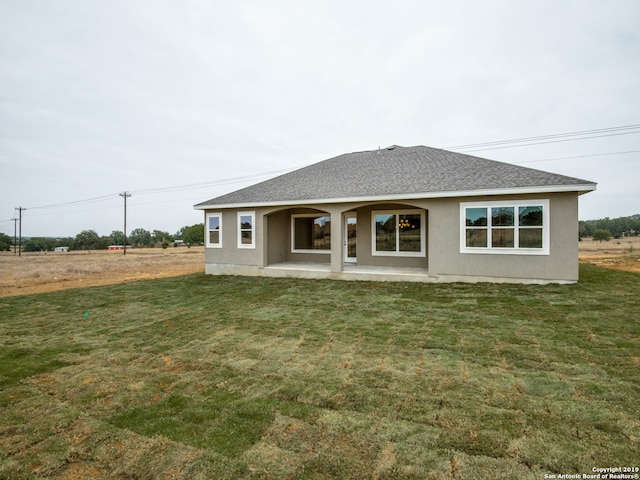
[119, 247]
[61, 249]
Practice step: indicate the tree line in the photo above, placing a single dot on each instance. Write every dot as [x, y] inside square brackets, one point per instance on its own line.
[610, 227]
[601, 229]
[90, 240]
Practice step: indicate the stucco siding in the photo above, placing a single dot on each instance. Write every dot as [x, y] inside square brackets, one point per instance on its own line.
[230, 253]
[365, 234]
[560, 264]
[279, 240]
[442, 257]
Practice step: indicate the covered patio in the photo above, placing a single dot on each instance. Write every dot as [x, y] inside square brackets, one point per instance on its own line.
[349, 272]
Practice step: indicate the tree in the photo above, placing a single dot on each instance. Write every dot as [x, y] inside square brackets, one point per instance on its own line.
[140, 237]
[5, 242]
[160, 237]
[86, 240]
[602, 234]
[584, 230]
[104, 242]
[193, 235]
[39, 244]
[117, 237]
[618, 227]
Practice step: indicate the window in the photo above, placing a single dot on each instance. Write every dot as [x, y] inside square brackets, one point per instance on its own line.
[311, 233]
[246, 229]
[399, 233]
[213, 233]
[519, 227]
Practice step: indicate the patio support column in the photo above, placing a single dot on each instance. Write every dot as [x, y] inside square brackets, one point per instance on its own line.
[337, 236]
[262, 224]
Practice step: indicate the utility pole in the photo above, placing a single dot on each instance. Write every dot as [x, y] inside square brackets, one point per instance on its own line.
[15, 240]
[20, 210]
[125, 195]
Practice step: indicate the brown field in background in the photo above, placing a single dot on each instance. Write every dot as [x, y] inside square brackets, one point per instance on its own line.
[40, 272]
[617, 253]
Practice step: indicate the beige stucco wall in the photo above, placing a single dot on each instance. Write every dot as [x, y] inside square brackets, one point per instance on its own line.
[230, 253]
[561, 263]
[365, 232]
[442, 259]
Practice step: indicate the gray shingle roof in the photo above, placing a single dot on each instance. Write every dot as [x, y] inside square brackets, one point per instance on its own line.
[399, 171]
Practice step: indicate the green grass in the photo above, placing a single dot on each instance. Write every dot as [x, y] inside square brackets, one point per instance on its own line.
[231, 377]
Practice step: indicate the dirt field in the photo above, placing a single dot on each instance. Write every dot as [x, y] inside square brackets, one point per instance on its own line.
[38, 272]
[620, 254]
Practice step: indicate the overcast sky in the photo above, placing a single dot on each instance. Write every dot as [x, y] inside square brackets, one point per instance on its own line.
[178, 102]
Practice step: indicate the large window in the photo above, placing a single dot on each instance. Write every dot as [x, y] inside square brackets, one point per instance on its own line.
[213, 230]
[400, 233]
[246, 229]
[311, 233]
[520, 227]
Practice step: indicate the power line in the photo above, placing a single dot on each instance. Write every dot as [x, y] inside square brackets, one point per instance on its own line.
[174, 188]
[475, 147]
[552, 138]
[193, 186]
[577, 156]
[75, 202]
[550, 141]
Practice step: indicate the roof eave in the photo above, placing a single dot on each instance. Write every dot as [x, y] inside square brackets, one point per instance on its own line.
[580, 188]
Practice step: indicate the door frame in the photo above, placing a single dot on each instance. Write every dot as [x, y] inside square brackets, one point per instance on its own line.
[350, 218]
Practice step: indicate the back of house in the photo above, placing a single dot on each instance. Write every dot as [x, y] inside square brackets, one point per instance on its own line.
[400, 213]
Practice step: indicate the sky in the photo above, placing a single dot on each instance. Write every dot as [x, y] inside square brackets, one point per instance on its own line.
[178, 102]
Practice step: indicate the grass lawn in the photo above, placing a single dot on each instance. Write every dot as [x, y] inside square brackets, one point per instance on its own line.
[231, 377]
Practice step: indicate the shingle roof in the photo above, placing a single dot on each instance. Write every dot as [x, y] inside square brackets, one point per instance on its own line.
[402, 171]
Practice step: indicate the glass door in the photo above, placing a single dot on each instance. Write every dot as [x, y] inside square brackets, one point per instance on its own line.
[350, 224]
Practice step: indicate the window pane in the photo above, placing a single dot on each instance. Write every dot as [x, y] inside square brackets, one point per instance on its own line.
[312, 233]
[246, 222]
[385, 232]
[246, 238]
[476, 237]
[476, 217]
[214, 223]
[214, 237]
[502, 237]
[409, 232]
[502, 217]
[530, 216]
[530, 237]
[321, 233]
[352, 227]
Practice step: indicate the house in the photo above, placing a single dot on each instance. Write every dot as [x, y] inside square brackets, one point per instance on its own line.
[400, 213]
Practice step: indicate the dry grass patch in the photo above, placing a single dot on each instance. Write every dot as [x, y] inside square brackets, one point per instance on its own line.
[40, 272]
[618, 254]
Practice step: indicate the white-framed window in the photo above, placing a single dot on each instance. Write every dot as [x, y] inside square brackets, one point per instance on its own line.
[246, 229]
[213, 230]
[311, 233]
[518, 227]
[398, 233]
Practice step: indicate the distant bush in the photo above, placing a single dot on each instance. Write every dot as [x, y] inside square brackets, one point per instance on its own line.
[602, 234]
